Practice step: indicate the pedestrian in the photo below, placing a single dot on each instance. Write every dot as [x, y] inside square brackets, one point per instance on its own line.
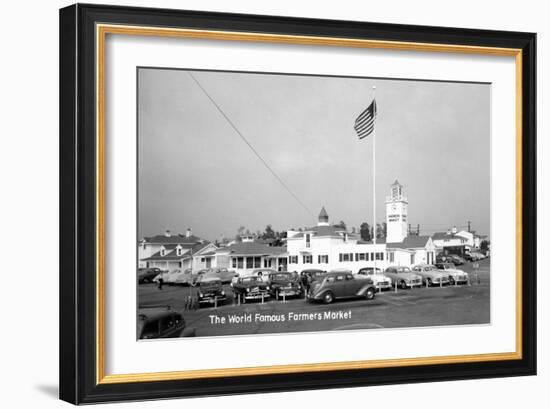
[161, 281]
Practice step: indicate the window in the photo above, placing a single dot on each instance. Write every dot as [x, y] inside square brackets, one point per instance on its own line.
[322, 259]
[267, 262]
[162, 252]
[308, 240]
[392, 256]
[362, 256]
[292, 259]
[202, 259]
[307, 259]
[346, 257]
[250, 262]
[257, 262]
[340, 278]
[412, 259]
[240, 262]
[379, 256]
[233, 262]
[372, 256]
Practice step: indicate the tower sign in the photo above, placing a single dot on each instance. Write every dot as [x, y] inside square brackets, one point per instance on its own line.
[396, 214]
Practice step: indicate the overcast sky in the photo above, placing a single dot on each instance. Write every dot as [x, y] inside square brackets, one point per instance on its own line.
[195, 171]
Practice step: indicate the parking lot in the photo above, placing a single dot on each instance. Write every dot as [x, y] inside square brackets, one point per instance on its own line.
[434, 306]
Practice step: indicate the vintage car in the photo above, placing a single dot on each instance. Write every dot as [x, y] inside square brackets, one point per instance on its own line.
[431, 275]
[456, 276]
[168, 277]
[147, 275]
[262, 273]
[284, 283]
[184, 277]
[403, 276]
[211, 291]
[310, 275]
[251, 288]
[340, 284]
[161, 322]
[456, 259]
[381, 281]
[225, 275]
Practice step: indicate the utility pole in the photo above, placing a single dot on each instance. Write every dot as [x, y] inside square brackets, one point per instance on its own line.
[418, 229]
[469, 222]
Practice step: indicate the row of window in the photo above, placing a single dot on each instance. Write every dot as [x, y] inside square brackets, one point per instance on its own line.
[308, 259]
[251, 262]
[361, 256]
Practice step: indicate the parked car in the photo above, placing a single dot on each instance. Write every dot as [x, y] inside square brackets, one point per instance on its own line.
[168, 277]
[161, 322]
[381, 281]
[146, 275]
[211, 291]
[251, 288]
[403, 276]
[262, 273]
[340, 284]
[185, 277]
[476, 256]
[456, 259]
[284, 283]
[198, 276]
[223, 274]
[310, 275]
[455, 275]
[431, 275]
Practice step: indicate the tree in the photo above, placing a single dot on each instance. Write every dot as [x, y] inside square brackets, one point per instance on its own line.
[269, 232]
[365, 232]
[342, 224]
[381, 231]
[484, 245]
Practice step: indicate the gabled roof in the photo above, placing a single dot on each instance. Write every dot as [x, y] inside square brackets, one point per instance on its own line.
[323, 231]
[171, 254]
[253, 249]
[173, 239]
[410, 242]
[445, 236]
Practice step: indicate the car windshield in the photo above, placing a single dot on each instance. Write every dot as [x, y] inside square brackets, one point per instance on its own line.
[280, 276]
[252, 280]
[210, 283]
[402, 270]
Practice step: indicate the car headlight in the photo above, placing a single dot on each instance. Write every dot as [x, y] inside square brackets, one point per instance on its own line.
[200, 294]
[267, 288]
[248, 290]
[223, 292]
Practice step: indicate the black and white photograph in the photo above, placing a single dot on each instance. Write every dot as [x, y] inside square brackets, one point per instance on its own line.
[277, 203]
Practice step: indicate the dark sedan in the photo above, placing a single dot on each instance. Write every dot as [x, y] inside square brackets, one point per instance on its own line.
[341, 284]
[251, 288]
[161, 322]
[284, 284]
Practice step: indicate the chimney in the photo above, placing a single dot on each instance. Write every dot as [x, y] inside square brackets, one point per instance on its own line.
[188, 233]
[454, 230]
[167, 233]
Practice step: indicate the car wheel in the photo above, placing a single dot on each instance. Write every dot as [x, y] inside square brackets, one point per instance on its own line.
[369, 294]
[403, 285]
[328, 297]
[429, 282]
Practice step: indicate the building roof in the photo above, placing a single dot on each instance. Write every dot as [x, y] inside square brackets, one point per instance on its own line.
[410, 242]
[323, 231]
[445, 236]
[253, 248]
[172, 239]
[171, 254]
[323, 214]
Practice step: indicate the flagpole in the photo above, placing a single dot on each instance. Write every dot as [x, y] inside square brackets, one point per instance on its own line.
[374, 176]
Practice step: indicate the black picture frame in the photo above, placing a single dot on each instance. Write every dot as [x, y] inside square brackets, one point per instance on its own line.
[78, 235]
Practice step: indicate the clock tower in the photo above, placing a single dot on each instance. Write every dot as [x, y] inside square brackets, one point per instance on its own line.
[396, 214]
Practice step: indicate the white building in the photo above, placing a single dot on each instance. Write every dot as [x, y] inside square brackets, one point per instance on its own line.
[244, 257]
[328, 247]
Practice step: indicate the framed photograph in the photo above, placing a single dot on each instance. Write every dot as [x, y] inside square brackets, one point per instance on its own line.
[257, 204]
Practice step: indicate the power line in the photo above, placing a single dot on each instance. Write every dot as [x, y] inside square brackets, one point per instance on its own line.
[250, 145]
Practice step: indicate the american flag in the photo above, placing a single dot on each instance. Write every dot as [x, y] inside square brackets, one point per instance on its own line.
[364, 124]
